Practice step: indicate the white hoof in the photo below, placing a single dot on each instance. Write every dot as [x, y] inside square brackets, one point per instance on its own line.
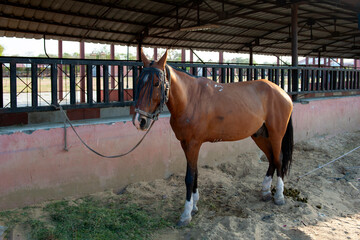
[183, 223]
[279, 201]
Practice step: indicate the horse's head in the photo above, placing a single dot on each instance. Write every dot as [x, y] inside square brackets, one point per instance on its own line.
[152, 89]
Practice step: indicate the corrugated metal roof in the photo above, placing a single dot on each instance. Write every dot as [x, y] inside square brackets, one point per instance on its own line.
[328, 26]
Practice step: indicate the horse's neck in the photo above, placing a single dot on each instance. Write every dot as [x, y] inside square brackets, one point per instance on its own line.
[179, 92]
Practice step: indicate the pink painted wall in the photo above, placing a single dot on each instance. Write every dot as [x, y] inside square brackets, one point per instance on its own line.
[34, 167]
[326, 116]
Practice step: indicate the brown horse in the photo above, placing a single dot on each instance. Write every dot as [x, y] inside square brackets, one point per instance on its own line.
[206, 111]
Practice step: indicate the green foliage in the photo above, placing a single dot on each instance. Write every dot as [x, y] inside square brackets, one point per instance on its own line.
[87, 219]
[1, 50]
[239, 60]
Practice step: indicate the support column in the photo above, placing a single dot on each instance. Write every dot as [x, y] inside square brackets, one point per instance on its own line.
[82, 73]
[221, 71]
[319, 59]
[155, 54]
[341, 62]
[112, 57]
[138, 52]
[60, 70]
[294, 48]
[191, 61]
[183, 55]
[251, 56]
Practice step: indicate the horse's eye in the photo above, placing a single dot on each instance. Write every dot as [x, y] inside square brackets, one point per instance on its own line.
[156, 84]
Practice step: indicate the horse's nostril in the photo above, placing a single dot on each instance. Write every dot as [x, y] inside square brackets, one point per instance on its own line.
[142, 122]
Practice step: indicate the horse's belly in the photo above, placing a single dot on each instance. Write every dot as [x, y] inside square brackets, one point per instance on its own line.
[233, 131]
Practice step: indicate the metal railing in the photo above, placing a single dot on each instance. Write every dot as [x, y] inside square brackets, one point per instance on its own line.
[37, 84]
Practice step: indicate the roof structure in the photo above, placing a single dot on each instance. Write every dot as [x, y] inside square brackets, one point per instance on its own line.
[330, 27]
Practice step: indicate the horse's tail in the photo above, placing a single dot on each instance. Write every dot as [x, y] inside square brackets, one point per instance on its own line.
[287, 148]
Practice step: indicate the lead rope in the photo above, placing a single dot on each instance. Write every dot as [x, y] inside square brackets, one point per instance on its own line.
[91, 149]
[327, 163]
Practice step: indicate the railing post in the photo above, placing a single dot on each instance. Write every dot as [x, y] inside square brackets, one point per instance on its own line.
[214, 74]
[290, 80]
[13, 90]
[323, 76]
[54, 98]
[248, 77]
[106, 83]
[72, 85]
[331, 80]
[303, 80]
[98, 83]
[135, 76]
[204, 72]
[1, 87]
[277, 76]
[227, 75]
[194, 71]
[240, 74]
[282, 74]
[89, 84]
[270, 75]
[318, 80]
[312, 80]
[222, 76]
[120, 83]
[34, 85]
[263, 73]
[232, 75]
[340, 79]
[256, 74]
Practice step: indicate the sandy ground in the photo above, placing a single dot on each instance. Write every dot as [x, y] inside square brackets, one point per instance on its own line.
[230, 205]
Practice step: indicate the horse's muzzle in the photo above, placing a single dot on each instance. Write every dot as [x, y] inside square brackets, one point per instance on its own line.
[141, 122]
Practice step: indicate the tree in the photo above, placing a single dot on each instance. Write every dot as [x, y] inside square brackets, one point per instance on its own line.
[239, 60]
[1, 50]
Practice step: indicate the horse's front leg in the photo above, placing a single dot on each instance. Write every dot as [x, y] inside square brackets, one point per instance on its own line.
[192, 194]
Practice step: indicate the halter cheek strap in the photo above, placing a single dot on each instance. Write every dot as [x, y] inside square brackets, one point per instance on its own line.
[165, 92]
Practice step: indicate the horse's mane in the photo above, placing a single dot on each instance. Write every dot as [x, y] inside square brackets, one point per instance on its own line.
[183, 71]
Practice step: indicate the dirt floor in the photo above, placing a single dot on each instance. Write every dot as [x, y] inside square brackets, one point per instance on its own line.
[323, 205]
[230, 205]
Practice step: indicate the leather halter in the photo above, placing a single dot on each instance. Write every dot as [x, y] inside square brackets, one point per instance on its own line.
[164, 86]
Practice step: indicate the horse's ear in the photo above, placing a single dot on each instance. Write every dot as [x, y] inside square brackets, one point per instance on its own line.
[162, 61]
[144, 59]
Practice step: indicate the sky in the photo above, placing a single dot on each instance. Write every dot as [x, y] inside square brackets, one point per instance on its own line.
[34, 47]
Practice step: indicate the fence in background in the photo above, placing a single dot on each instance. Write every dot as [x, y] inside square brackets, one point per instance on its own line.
[35, 84]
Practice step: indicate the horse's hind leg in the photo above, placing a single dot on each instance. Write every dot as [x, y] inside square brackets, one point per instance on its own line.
[276, 146]
[264, 144]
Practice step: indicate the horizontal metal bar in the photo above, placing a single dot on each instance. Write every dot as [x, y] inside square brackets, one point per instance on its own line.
[77, 106]
[68, 61]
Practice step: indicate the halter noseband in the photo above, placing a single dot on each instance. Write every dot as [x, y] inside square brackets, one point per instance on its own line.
[165, 89]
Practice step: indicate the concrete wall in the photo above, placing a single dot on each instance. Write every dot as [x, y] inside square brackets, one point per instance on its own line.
[35, 167]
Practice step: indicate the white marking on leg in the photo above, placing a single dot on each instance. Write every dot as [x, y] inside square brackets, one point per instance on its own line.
[195, 200]
[186, 215]
[279, 189]
[266, 185]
